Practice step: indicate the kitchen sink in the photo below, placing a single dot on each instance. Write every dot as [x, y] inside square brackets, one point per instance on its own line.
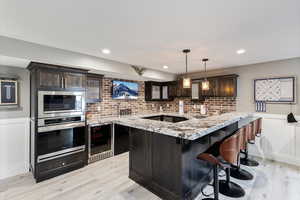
[166, 118]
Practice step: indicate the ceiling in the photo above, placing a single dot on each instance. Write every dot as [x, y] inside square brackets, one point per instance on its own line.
[153, 33]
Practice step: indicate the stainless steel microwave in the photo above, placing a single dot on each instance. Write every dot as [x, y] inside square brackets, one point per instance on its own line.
[60, 103]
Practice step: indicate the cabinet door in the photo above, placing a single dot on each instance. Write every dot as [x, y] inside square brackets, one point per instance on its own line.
[172, 90]
[121, 140]
[140, 153]
[227, 87]
[213, 88]
[49, 79]
[183, 92]
[93, 89]
[155, 92]
[165, 92]
[74, 80]
[195, 91]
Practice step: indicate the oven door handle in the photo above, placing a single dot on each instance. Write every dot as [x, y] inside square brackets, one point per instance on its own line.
[60, 127]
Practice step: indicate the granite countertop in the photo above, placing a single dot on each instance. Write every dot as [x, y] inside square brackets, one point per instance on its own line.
[190, 129]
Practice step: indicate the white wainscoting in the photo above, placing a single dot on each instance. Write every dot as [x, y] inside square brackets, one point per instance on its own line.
[14, 147]
[280, 141]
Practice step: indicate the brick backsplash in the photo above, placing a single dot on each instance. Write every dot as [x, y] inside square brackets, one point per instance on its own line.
[109, 107]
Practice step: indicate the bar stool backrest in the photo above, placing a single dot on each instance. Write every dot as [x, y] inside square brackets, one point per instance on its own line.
[259, 126]
[230, 148]
[243, 138]
[252, 131]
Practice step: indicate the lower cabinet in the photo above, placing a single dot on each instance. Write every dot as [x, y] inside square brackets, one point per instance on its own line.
[58, 166]
[121, 142]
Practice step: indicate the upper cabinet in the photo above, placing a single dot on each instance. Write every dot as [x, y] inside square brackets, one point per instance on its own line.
[94, 88]
[50, 78]
[213, 88]
[53, 77]
[159, 91]
[183, 92]
[74, 80]
[228, 86]
[220, 86]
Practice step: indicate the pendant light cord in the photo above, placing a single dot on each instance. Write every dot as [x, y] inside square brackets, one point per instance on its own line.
[186, 63]
[205, 68]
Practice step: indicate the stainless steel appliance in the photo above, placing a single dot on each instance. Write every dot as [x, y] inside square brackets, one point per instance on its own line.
[100, 142]
[60, 136]
[60, 103]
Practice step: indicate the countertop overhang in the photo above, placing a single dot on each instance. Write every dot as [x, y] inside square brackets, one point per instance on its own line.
[190, 129]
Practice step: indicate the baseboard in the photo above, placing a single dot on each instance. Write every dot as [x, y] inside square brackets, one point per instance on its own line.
[291, 160]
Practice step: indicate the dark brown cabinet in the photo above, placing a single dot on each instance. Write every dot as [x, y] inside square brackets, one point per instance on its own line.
[228, 86]
[213, 88]
[219, 86]
[94, 88]
[48, 78]
[121, 139]
[74, 80]
[183, 92]
[52, 77]
[159, 91]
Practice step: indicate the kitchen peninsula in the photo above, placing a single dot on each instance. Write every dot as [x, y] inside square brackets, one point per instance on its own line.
[162, 152]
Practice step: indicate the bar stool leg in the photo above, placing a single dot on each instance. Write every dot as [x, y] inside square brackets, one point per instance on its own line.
[230, 189]
[215, 184]
[248, 162]
[238, 173]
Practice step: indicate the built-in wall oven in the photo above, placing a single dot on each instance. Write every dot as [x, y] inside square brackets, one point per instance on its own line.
[60, 103]
[60, 136]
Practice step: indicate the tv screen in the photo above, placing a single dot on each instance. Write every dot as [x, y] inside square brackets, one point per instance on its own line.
[124, 90]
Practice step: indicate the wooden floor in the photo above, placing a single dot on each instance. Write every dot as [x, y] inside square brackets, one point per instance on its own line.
[108, 179]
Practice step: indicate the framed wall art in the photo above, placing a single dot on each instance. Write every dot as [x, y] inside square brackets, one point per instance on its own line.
[275, 90]
[8, 92]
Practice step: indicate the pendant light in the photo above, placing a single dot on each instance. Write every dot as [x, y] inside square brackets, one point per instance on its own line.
[205, 83]
[186, 80]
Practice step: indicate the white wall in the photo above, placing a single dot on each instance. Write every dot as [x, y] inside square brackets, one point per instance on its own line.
[24, 90]
[279, 141]
[14, 147]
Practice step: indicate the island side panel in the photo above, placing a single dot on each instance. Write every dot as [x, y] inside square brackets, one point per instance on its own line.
[195, 173]
[155, 163]
[140, 156]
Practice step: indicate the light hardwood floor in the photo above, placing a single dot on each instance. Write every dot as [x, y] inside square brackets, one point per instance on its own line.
[108, 179]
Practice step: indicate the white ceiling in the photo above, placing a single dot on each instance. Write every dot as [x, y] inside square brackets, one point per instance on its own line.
[153, 33]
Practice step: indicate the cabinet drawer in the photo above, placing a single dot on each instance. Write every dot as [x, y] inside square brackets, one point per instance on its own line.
[59, 166]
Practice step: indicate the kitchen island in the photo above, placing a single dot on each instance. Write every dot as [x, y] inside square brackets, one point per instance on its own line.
[163, 152]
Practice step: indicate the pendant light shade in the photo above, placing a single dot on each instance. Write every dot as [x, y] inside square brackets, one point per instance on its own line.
[205, 83]
[186, 83]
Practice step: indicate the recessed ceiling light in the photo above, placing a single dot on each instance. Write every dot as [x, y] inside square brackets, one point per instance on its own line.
[105, 51]
[165, 67]
[241, 51]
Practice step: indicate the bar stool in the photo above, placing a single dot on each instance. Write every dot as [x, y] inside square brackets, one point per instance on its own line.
[236, 171]
[259, 127]
[229, 150]
[216, 163]
[251, 131]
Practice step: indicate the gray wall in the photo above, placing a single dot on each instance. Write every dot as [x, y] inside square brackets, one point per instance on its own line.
[247, 74]
[24, 91]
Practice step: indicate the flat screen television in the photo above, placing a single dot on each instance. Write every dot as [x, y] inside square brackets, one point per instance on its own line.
[124, 90]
